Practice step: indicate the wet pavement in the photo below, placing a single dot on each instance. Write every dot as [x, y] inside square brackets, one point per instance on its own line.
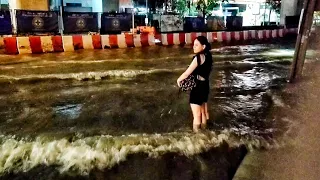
[299, 157]
[125, 101]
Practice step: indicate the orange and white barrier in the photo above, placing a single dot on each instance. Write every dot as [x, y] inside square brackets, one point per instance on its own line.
[127, 40]
[212, 37]
[190, 37]
[10, 44]
[291, 30]
[1, 42]
[43, 44]
[173, 39]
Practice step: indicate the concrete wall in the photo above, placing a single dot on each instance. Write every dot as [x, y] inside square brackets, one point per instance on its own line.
[97, 6]
[288, 8]
[77, 9]
[84, 3]
[110, 5]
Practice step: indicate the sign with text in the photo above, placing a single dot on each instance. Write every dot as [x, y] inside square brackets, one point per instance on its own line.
[139, 20]
[37, 21]
[171, 23]
[292, 21]
[80, 22]
[194, 24]
[234, 22]
[115, 22]
[215, 23]
[5, 23]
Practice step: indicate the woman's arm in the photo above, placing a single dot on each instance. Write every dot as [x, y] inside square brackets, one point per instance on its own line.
[190, 69]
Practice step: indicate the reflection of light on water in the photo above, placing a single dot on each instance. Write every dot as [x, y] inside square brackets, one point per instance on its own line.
[243, 106]
[70, 111]
[240, 50]
[279, 52]
[254, 78]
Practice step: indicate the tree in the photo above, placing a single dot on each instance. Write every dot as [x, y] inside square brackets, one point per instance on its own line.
[180, 6]
[206, 5]
[274, 5]
[154, 4]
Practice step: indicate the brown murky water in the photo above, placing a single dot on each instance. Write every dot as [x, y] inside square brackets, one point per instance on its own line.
[91, 109]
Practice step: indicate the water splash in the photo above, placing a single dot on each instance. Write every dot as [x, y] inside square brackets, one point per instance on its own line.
[86, 75]
[81, 155]
[84, 154]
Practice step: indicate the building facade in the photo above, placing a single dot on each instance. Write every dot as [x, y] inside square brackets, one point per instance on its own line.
[255, 12]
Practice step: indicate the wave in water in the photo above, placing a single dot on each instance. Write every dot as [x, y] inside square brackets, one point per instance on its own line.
[84, 154]
[86, 75]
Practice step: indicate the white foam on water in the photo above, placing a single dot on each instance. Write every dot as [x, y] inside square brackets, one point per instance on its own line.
[116, 60]
[84, 154]
[87, 75]
[279, 52]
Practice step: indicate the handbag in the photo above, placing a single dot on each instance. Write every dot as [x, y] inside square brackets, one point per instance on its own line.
[191, 81]
[188, 83]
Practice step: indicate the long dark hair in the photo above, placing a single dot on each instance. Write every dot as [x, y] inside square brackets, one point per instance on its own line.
[204, 41]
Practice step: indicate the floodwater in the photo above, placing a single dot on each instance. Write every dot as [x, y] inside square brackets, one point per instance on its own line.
[86, 110]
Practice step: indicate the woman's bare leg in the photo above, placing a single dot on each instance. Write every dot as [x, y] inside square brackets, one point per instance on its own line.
[196, 111]
[206, 110]
[203, 117]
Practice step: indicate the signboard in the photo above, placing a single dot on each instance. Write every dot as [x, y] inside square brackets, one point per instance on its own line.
[215, 23]
[171, 23]
[115, 22]
[234, 22]
[80, 22]
[194, 24]
[5, 23]
[37, 21]
[155, 22]
[292, 21]
[139, 20]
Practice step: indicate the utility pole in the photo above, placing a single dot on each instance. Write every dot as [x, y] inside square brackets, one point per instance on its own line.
[304, 30]
[147, 12]
[62, 7]
[61, 17]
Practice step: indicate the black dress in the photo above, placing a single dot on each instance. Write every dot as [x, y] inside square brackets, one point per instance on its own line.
[200, 93]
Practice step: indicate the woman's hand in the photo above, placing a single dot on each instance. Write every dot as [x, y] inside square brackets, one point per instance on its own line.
[179, 81]
[190, 69]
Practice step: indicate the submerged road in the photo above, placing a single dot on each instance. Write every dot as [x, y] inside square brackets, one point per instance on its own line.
[73, 109]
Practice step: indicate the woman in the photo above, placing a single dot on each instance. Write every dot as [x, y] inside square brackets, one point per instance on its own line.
[199, 94]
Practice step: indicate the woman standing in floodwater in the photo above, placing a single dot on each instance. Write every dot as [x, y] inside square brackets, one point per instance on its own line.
[199, 94]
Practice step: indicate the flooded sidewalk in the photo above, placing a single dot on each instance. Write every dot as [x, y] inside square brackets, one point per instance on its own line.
[299, 157]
